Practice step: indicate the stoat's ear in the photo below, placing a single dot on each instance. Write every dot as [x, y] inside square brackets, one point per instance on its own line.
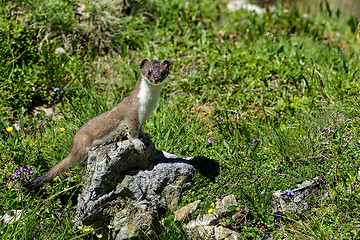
[144, 63]
[168, 64]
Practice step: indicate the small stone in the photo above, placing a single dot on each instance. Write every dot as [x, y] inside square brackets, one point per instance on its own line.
[183, 213]
[202, 220]
[222, 206]
[208, 226]
[223, 233]
[12, 216]
[282, 202]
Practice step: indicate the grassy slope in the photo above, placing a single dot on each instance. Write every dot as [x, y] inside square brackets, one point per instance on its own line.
[290, 81]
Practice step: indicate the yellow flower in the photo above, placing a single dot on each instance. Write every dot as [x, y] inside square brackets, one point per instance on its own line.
[9, 129]
[79, 227]
[109, 227]
[62, 129]
[127, 37]
[212, 205]
[31, 143]
[211, 210]
[99, 236]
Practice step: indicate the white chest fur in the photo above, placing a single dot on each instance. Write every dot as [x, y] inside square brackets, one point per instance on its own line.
[148, 98]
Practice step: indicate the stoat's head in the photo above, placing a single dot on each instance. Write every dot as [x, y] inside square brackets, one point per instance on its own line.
[153, 71]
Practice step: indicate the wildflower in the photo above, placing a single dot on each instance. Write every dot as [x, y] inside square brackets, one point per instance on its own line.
[109, 227]
[211, 210]
[286, 159]
[20, 170]
[56, 89]
[58, 213]
[56, 129]
[326, 194]
[99, 236]
[244, 147]
[257, 219]
[127, 37]
[306, 206]
[289, 192]
[212, 205]
[17, 173]
[271, 35]
[28, 170]
[62, 129]
[9, 129]
[80, 227]
[210, 141]
[31, 143]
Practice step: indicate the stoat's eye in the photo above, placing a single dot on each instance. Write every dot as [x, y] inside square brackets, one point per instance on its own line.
[162, 74]
[149, 73]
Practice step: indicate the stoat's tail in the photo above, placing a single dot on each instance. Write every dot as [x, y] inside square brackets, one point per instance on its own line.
[53, 172]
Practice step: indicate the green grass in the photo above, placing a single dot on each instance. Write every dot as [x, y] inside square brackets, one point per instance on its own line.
[290, 81]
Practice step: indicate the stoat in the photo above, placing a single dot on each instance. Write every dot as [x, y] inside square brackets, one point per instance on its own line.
[129, 115]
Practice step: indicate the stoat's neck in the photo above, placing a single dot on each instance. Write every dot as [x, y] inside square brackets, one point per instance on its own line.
[148, 96]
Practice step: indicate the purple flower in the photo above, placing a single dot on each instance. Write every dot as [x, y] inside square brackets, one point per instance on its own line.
[56, 129]
[210, 141]
[244, 147]
[28, 170]
[257, 219]
[17, 173]
[56, 89]
[286, 159]
[289, 192]
[58, 213]
[20, 170]
[326, 194]
[306, 206]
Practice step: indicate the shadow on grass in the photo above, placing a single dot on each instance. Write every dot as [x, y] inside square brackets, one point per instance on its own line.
[207, 167]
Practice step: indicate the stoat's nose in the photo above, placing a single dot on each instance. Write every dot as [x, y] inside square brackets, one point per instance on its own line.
[156, 79]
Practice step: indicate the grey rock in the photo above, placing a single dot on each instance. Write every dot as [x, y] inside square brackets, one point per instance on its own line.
[282, 202]
[183, 213]
[222, 206]
[130, 203]
[12, 216]
[208, 226]
[221, 232]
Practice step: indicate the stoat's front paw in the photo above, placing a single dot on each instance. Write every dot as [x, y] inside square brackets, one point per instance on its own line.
[139, 145]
